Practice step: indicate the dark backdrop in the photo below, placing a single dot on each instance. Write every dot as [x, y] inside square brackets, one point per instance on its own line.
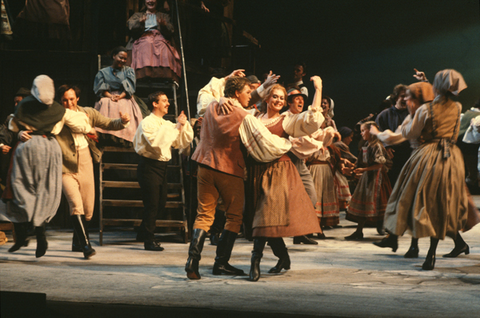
[362, 49]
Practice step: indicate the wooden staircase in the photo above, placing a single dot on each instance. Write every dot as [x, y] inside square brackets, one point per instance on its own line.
[120, 194]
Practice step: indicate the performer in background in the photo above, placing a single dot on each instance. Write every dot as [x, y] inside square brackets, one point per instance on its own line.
[153, 142]
[430, 197]
[153, 55]
[37, 162]
[78, 151]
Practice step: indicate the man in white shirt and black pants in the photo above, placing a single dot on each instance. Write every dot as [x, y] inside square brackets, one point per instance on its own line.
[153, 141]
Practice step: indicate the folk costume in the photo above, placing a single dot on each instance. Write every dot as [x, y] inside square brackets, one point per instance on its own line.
[225, 139]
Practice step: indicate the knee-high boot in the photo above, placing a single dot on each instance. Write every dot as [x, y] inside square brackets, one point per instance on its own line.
[257, 253]
[279, 250]
[76, 245]
[429, 263]
[42, 243]
[224, 251]
[21, 236]
[194, 253]
[79, 229]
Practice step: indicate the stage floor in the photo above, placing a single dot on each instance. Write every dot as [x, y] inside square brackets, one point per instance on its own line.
[335, 278]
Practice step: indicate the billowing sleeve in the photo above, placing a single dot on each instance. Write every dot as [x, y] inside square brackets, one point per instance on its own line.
[100, 85]
[129, 82]
[305, 146]
[260, 143]
[306, 123]
[391, 138]
[210, 93]
[379, 155]
[184, 138]
[160, 138]
[413, 129]
[77, 121]
[100, 121]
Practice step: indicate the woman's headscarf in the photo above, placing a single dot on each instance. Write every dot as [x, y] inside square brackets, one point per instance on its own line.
[422, 91]
[449, 80]
[43, 89]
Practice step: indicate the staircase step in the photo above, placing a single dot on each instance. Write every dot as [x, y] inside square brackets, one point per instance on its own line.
[137, 222]
[134, 184]
[137, 203]
[129, 166]
[118, 149]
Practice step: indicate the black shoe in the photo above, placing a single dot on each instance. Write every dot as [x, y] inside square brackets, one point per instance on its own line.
[42, 243]
[226, 269]
[321, 236]
[304, 239]
[21, 237]
[390, 241]
[18, 245]
[457, 251]
[429, 263]
[356, 236]
[224, 251]
[281, 264]
[412, 252]
[194, 254]
[152, 246]
[214, 238]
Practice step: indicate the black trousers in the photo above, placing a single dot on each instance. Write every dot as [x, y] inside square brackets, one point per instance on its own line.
[152, 177]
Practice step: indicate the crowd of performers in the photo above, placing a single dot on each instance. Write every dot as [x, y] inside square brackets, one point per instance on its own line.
[276, 167]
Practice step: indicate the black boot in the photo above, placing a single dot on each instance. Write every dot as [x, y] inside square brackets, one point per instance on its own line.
[76, 243]
[224, 251]
[390, 241]
[76, 246]
[429, 263]
[194, 253]
[42, 243]
[304, 239]
[460, 247]
[413, 250]
[279, 250]
[214, 238]
[79, 229]
[257, 253]
[21, 236]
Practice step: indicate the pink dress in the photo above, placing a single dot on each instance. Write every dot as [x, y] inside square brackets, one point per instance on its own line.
[152, 54]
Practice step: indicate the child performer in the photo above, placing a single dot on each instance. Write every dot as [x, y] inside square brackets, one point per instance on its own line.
[370, 198]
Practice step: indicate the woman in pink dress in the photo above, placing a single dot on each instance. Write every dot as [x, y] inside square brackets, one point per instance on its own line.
[153, 55]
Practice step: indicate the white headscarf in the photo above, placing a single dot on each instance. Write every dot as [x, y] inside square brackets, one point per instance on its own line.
[43, 89]
[330, 111]
[449, 80]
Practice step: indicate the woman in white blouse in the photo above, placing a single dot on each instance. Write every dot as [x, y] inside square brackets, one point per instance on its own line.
[278, 200]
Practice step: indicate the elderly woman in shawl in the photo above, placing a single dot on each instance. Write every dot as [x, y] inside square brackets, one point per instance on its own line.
[37, 163]
[430, 198]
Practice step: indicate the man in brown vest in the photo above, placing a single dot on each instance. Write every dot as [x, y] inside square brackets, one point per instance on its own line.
[221, 170]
